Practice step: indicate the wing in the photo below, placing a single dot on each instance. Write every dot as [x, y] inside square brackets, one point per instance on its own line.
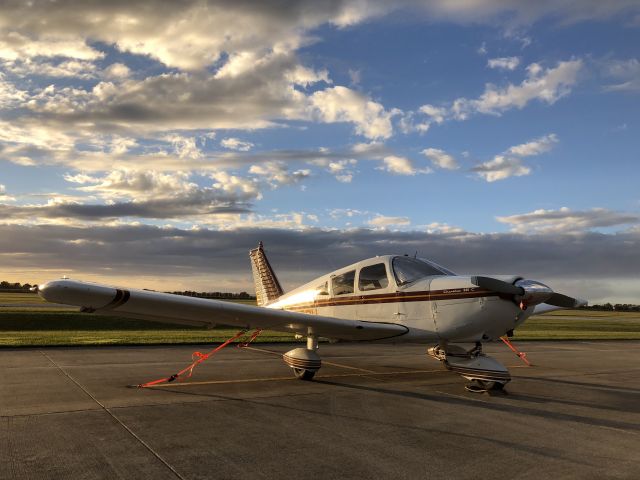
[165, 307]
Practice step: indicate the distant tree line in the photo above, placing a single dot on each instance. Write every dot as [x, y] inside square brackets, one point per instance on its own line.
[226, 295]
[14, 287]
[618, 307]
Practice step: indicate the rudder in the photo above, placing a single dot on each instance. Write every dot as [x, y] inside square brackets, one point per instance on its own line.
[266, 283]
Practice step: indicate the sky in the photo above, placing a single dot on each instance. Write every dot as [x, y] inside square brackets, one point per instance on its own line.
[152, 144]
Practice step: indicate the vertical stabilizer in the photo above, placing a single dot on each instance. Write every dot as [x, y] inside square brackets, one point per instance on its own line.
[267, 285]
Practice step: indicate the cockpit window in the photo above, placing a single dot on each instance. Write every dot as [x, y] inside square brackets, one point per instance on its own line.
[408, 270]
[373, 277]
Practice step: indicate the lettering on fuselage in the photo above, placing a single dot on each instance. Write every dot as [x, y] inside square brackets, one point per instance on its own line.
[459, 290]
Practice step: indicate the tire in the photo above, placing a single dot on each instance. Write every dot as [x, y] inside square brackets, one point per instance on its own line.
[302, 374]
[498, 387]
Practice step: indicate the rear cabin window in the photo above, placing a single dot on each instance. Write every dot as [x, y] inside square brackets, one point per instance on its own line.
[408, 270]
[373, 277]
[322, 289]
[343, 284]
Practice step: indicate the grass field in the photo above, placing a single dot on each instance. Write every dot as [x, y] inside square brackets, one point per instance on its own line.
[581, 325]
[35, 326]
[37, 323]
[20, 298]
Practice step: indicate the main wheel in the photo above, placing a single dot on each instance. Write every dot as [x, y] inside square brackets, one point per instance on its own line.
[302, 374]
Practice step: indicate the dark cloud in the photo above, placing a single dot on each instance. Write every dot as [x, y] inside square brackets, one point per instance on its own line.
[156, 209]
[301, 255]
[564, 220]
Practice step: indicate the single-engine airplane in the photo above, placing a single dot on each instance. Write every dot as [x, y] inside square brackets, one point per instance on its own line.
[388, 298]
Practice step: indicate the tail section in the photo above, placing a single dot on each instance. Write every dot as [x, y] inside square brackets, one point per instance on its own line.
[267, 285]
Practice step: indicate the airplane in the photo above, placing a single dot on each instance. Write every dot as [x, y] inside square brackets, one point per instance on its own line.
[389, 298]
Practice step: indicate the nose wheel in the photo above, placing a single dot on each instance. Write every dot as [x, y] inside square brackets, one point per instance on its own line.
[302, 374]
[483, 373]
[482, 386]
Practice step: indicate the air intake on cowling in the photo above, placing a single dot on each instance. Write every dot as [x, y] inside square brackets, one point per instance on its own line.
[267, 285]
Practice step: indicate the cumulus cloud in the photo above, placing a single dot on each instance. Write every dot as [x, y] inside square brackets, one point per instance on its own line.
[73, 68]
[546, 85]
[174, 101]
[510, 164]
[504, 63]
[39, 145]
[277, 173]
[440, 158]
[187, 35]
[10, 95]
[3, 195]
[236, 144]
[193, 34]
[566, 220]
[401, 166]
[444, 228]
[626, 73]
[534, 147]
[116, 71]
[15, 45]
[341, 104]
[257, 98]
[342, 169]
[141, 194]
[435, 114]
[137, 184]
[383, 221]
[501, 167]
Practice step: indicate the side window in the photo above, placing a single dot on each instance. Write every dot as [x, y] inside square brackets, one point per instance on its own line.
[343, 284]
[322, 289]
[373, 277]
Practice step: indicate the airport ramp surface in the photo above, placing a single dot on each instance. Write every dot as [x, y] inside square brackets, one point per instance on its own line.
[375, 411]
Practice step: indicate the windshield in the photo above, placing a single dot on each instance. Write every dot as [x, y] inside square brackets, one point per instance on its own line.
[408, 270]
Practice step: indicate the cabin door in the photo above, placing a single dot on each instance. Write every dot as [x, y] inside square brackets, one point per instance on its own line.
[376, 294]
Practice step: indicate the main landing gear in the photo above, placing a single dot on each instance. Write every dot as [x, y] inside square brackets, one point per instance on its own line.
[483, 372]
[305, 362]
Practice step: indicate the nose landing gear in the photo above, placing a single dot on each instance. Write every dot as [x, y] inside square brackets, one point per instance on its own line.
[483, 372]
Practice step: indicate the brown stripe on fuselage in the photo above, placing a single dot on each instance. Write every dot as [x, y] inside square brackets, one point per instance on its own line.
[397, 297]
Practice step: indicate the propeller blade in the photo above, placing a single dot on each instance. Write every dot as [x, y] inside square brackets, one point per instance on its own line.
[496, 285]
[559, 300]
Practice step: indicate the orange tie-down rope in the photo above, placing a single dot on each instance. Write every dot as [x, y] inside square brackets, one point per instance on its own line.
[522, 355]
[198, 358]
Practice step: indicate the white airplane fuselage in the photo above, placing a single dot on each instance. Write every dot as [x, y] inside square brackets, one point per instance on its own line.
[437, 308]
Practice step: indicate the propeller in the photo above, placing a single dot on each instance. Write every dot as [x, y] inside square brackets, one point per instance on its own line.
[565, 301]
[527, 292]
[497, 286]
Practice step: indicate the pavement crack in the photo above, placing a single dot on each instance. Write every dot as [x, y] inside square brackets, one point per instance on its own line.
[115, 417]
